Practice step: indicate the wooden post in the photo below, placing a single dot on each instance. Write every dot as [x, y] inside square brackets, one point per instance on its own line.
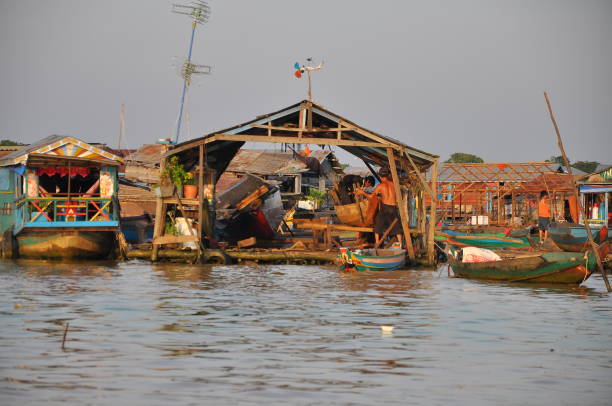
[201, 192]
[499, 199]
[432, 214]
[160, 215]
[401, 203]
[423, 214]
[577, 195]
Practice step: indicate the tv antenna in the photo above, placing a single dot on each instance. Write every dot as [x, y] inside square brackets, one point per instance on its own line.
[199, 11]
[308, 67]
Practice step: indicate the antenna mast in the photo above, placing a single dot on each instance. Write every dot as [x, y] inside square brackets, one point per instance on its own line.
[199, 11]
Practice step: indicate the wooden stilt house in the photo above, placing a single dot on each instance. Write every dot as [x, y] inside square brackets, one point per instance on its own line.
[301, 124]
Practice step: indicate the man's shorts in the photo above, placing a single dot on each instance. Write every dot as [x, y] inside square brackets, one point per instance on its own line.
[385, 217]
[543, 223]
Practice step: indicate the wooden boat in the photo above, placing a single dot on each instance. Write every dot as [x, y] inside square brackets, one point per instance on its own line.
[353, 214]
[60, 200]
[489, 241]
[137, 229]
[65, 244]
[542, 267]
[572, 237]
[372, 259]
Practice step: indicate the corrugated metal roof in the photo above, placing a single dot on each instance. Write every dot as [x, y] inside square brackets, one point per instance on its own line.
[148, 154]
[266, 163]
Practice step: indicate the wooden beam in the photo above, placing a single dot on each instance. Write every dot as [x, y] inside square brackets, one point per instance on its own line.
[297, 129]
[301, 118]
[401, 204]
[294, 140]
[363, 132]
[420, 175]
[189, 228]
[432, 214]
[371, 170]
[173, 239]
[201, 191]
[594, 246]
[160, 216]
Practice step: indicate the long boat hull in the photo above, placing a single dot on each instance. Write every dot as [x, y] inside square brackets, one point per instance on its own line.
[490, 242]
[549, 267]
[73, 244]
[572, 237]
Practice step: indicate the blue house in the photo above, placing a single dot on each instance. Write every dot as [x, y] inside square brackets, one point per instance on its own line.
[58, 199]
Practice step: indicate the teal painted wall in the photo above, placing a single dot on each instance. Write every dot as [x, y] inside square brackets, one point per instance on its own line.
[7, 198]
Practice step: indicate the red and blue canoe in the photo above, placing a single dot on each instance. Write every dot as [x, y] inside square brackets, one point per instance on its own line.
[373, 259]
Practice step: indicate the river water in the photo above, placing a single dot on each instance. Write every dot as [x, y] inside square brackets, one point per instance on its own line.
[142, 334]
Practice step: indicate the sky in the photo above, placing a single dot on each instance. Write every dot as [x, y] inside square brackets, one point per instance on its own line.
[441, 76]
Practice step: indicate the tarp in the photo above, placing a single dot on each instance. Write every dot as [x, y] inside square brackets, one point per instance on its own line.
[595, 188]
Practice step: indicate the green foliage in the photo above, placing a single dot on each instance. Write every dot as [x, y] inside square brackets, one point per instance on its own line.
[5, 143]
[176, 172]
[190, 180]
[586, 166]
[556, 159]
[170, 228]
[316, 194]
[463, 158]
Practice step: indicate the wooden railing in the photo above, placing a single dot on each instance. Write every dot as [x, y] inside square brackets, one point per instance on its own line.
[94, 210]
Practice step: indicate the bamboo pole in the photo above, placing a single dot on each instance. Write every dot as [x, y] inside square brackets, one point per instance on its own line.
[64, 337]
[401, 203]
[577, 195]
[432, 215]
[201, 191]
[160, 215]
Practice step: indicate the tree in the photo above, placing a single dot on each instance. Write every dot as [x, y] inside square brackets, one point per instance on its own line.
[556, 159]
[586, 166]
[5, 143]
[463, 158]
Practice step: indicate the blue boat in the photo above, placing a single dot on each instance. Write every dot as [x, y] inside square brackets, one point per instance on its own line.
[373, 259]
[58, 200]
[573, 237]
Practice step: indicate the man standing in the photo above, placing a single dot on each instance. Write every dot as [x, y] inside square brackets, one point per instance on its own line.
[543, 216]
[388, 209]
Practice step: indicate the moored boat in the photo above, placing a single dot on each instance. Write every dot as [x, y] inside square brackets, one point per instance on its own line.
[373, 259]
[59, 199]
[490, 242]
[353, 214]
[573, 237]
[536, 267]
[53, 244]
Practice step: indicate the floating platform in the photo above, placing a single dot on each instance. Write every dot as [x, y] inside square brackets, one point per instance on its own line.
[235, 256]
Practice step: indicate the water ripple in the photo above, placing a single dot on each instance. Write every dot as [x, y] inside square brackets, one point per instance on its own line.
[189, 334]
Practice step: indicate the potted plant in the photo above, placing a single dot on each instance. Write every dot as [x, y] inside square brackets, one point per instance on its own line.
[174, 171]
[190, 190]
[316, 196]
